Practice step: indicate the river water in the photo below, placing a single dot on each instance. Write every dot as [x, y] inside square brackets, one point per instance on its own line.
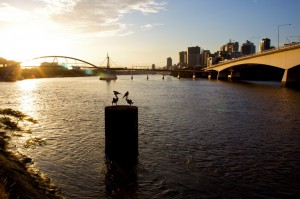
[197, 138]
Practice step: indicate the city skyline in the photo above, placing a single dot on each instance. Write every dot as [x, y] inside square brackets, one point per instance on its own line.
[140, 32]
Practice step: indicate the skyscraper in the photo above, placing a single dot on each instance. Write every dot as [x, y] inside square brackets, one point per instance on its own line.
[182, 59]
[204, 57]
[265, 44]
[193, 57]
[169, 63]
[248, 48]
[230, 47]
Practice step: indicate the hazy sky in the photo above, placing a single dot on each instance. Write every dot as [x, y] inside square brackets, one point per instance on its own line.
[139, 32]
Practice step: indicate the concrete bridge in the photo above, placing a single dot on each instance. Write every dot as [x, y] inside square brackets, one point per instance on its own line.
[285, 59]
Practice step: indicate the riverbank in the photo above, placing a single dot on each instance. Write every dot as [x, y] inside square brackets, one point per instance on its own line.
[17, 181]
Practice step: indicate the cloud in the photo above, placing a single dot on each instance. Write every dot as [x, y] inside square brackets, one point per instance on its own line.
[99, 17]
[150, 26]
[12, 14]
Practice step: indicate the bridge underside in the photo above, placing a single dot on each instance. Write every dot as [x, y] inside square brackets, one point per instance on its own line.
[256, 72]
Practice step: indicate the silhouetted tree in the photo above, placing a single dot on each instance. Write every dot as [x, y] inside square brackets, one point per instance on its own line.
[13, 123]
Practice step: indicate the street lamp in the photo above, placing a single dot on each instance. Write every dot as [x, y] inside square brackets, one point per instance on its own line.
[278, 30]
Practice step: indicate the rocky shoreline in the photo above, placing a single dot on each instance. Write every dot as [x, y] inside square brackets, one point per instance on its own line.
[17, 180]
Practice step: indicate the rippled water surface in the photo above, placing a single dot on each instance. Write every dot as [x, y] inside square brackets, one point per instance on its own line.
[197, 139]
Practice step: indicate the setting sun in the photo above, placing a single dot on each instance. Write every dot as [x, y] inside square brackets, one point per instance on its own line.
[26, 42]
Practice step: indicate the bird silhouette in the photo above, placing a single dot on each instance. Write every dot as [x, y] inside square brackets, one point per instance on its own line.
[115, 100]
[129, 101]
[126, 95]
[116, 93]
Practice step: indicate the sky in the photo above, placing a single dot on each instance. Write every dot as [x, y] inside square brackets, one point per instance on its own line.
[139, 32]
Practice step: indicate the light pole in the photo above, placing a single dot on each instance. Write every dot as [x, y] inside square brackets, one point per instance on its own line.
[278, 30]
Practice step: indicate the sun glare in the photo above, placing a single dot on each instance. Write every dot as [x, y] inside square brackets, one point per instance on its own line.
[25, 42]
[27, 85]
[31, 63]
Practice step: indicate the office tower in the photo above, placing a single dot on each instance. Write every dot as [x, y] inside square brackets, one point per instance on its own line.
[182, 59]
[193, 57]
[204, 57]
[230, 47]
[265, 44]
[248, 48]
[169, 63]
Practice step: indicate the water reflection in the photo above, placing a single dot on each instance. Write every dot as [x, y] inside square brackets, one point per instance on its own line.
[27, 98]
[27, 85]
[121, 177]
[197, 139]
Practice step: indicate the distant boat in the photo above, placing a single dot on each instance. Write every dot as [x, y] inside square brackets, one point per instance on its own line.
[108, 77]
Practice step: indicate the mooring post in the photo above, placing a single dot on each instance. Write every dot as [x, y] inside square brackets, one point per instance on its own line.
[121, 131]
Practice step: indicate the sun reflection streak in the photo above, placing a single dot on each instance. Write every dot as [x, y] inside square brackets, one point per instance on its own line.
[27, 97]
[27, 85]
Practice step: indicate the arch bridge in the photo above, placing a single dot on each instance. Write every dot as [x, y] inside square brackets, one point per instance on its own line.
[286, 59]
[11, 73]
[65, 60]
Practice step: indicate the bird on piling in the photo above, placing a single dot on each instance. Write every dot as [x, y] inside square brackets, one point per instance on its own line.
[116, 93]
[115, 100]
[129, 101]
[126, 95]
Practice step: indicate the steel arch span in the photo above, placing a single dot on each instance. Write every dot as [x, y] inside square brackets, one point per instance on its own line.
[56, 57]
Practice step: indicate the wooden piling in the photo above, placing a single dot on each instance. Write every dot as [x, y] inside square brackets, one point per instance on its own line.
[121, 131]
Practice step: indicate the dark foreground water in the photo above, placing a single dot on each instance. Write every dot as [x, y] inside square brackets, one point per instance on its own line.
[197, 139]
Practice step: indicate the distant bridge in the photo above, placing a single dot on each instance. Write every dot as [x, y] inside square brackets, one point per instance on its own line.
[10, 73]
[286, 58]
[56, 57]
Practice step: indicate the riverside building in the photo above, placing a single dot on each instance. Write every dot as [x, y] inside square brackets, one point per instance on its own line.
[182, 59]
[193, 56]
[248, 48]
[265, 44]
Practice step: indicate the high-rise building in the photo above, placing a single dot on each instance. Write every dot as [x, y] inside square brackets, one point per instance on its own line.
[153, 66]
[248, 48]
[204, 57]
[230, 47]
[182, 59]
[193, 57]
[169, 63]
[265, 44]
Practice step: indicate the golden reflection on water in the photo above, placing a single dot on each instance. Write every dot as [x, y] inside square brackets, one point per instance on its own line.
[27, 97]
[27, 85]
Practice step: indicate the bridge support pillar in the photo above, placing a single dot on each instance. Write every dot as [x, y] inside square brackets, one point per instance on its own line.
[222, 75]
[230, 76]
[284, 78]
[291, 77]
